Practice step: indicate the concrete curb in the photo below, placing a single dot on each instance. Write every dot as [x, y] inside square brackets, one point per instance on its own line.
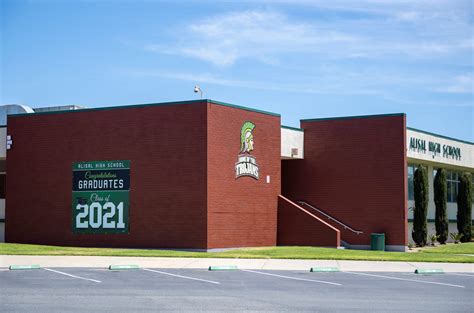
[324, 269]
[223, 268]
[24, 267]
[255, 264]
[429, 271]
[123, 267]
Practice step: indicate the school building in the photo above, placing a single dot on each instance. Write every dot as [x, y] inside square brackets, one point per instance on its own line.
[207, 175]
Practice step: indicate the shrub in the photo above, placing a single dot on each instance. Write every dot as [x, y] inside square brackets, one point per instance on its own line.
[464, 207]
[420, 183]
[455, 236]
[433, 239]
[440, 197]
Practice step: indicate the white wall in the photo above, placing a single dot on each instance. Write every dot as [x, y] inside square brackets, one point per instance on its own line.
[452, 228]
[451, 208]
[436, 160]
[467, 150]
[290, 139]
[3, 142]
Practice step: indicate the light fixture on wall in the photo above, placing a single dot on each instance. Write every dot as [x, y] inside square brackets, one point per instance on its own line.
[198, 89]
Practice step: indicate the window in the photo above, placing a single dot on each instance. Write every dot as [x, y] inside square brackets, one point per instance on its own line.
[3, 165]
[435, 170]
[411, 172]
[472, 187]
[2, 185]
[452, 181]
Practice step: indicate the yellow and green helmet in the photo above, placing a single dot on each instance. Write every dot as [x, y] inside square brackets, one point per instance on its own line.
[246, 137]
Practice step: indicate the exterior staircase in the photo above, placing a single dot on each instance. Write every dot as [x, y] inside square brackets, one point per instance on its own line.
[298, 226]
[347, 232]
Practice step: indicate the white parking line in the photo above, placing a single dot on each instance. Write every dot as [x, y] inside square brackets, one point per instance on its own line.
[405, 279]
[294, 278]
[73, 276]
[181, 276]
[460, 274]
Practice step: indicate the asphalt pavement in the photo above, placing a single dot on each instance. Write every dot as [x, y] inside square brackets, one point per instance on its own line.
[198, 290]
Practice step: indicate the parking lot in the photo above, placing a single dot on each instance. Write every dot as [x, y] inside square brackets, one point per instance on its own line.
[146, 290]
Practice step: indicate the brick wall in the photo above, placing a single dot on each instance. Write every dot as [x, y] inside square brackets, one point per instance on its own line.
[299, 227]
[167, 149]
[355, 170]
[243, 211]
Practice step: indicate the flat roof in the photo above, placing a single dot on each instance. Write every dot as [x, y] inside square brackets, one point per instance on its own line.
[383, 115]
[350, 117]
[441, 136]
[292, 128]
[208, 101]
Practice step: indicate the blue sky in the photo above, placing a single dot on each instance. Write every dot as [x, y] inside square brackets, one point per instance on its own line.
[302, 59]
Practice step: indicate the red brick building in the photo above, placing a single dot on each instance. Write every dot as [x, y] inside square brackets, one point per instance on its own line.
[205, 174]
[354, 170]
[183, 189]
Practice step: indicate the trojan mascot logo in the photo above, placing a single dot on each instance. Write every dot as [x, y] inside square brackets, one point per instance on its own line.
[246, 164]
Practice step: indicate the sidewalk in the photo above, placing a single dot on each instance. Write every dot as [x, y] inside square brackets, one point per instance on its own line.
[204, 263]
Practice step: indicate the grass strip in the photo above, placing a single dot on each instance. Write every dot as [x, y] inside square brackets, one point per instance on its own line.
[460, 253]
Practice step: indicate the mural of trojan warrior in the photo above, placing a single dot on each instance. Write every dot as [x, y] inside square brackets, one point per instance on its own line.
[246, 137]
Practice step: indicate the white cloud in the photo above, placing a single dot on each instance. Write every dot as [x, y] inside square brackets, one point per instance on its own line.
[369, 47]
[424, 102]
[263, 35]
[407, 16]
[270, 37]
[311, 86]
[461, 84]
[333, 82]
[399, 9]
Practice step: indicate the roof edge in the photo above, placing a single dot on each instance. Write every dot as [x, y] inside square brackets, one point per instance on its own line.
[242, 107]
[351, 117]
[292, 128]
[441, 136]
[128, 106]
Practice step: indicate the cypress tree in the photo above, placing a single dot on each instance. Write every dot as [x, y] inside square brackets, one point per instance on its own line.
[440, 197]
[420, 184]
[464, 220]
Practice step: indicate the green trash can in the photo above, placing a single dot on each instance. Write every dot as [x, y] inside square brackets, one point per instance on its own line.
[377, 242]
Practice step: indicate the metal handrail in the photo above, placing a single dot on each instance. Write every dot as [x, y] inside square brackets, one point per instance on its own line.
[329, 217]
